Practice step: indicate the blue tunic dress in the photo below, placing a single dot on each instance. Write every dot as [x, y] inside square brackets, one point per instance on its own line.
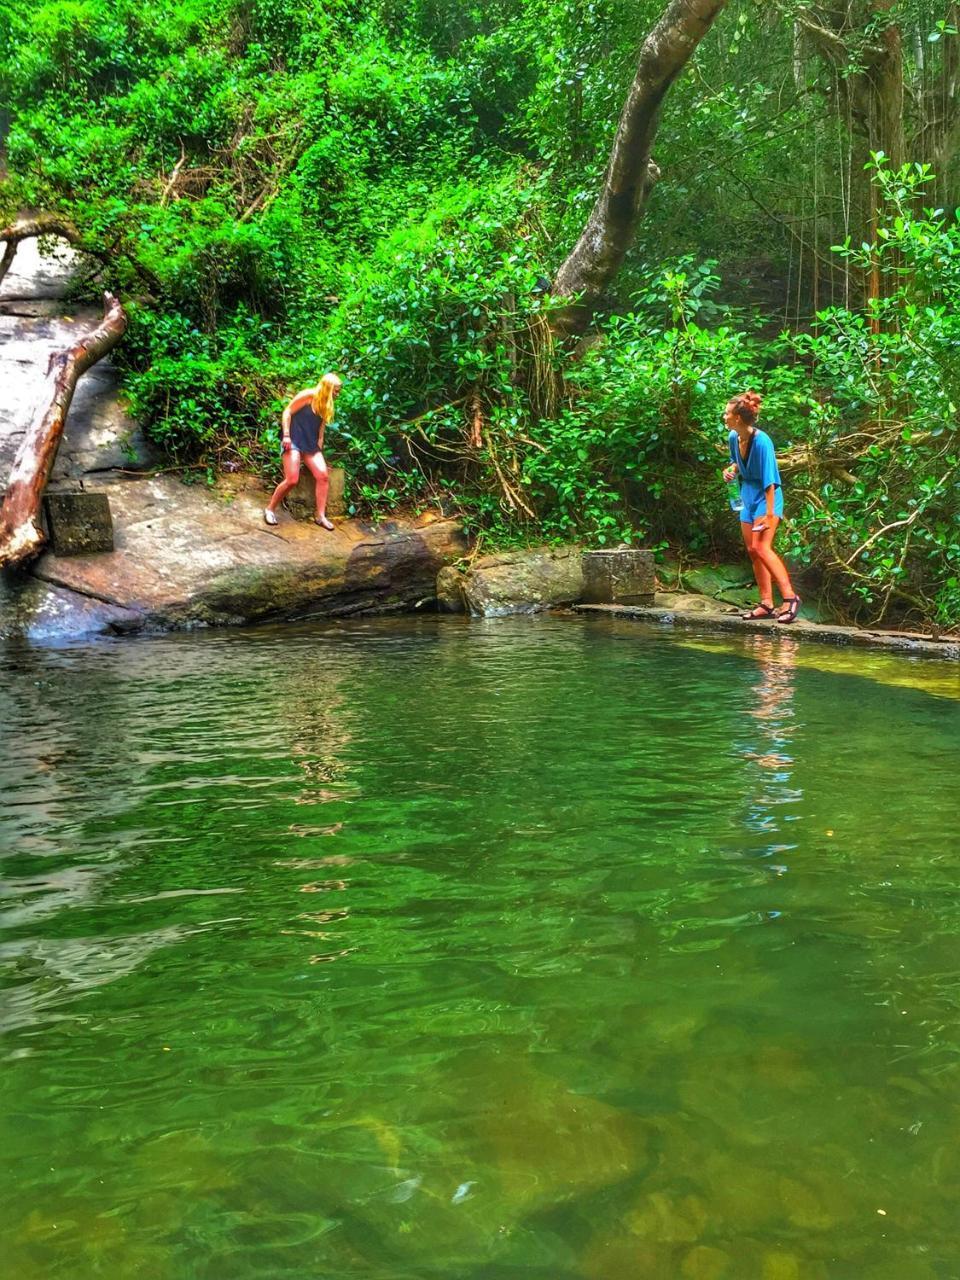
[756, 473]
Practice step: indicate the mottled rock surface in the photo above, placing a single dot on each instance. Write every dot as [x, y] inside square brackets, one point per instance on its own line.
[620, 575]
[523, 581]
[450, 590]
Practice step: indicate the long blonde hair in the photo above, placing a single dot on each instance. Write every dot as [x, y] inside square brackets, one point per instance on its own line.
[322, 402]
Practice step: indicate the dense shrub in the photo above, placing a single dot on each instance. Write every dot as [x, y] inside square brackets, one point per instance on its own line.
[386, 190]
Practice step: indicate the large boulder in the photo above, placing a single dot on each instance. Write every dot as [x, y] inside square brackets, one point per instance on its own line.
[190, 556]
[523, 581]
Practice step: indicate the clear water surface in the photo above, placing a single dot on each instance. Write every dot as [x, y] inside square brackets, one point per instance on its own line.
[537, 948]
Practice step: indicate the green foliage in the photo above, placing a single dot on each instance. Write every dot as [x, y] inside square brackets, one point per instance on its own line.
[890, 411]
[387, 189]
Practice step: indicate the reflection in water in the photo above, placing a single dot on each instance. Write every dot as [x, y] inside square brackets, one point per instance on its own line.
[769, 749]
[320, 737]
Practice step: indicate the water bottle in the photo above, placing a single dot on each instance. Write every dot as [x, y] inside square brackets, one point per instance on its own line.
[733, 493]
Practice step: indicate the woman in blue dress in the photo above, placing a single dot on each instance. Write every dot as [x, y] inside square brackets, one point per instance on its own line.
[753, 460]
[304, 421]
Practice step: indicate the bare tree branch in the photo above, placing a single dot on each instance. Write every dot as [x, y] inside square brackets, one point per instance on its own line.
[44, 224]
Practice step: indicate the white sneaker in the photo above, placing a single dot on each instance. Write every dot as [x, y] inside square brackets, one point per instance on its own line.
[269, 516]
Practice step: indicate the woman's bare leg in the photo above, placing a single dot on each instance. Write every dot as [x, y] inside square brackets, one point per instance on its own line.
[771, 562]
[318, 469]
[760, 570]
[291, 474]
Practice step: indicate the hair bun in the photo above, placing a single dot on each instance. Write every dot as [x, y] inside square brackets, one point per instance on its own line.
[752, 400]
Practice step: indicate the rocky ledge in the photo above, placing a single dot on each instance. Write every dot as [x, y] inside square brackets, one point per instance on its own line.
[188, 556]
[700, 613]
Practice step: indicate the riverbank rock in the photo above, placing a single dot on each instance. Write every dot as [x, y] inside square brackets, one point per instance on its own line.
[520, 582]
[729, 583]
[190, 556]
[450, 590]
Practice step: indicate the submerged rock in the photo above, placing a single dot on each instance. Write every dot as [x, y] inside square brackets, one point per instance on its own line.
[516, 1142]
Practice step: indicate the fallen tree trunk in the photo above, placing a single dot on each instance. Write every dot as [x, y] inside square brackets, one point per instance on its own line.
[21, 535]
[44, 224]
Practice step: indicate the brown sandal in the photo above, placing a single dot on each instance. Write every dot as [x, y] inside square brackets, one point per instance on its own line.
[761, 611]
[791, 607]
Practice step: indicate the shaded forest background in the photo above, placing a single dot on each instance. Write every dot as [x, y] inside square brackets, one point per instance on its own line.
[278, 187]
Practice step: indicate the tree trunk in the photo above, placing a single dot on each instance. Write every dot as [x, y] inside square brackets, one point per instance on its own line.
[44, 224]
[20, 533]
[886, 84]
[596, 257]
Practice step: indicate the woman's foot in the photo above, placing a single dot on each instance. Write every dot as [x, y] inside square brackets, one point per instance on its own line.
[791, 607]
[323, 522]
[269, 517]
[761, 611]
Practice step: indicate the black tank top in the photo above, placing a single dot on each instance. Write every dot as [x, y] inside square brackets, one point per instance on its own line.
[305, 430]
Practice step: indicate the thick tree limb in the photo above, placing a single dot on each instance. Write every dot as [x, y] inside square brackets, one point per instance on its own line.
[631, 173]
[54, 224]
[44, 224]
[20, 533]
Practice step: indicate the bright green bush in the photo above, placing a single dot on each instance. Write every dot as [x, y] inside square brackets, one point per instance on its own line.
[386, 189]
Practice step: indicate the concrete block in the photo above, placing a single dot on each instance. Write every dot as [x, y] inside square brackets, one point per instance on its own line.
[78, 524]
[300, 502]
[623, 575]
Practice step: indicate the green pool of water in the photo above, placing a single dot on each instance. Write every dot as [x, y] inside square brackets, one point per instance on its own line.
[536, 948]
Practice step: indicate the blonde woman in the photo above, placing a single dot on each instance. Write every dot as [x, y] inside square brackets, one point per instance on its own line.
[304, 421]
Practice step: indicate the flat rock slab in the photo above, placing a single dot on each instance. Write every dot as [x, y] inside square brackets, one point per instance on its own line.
[187, 556]
[904, 641]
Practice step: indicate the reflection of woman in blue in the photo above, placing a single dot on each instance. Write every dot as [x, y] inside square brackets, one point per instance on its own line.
[753, 459]
[769, 749]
